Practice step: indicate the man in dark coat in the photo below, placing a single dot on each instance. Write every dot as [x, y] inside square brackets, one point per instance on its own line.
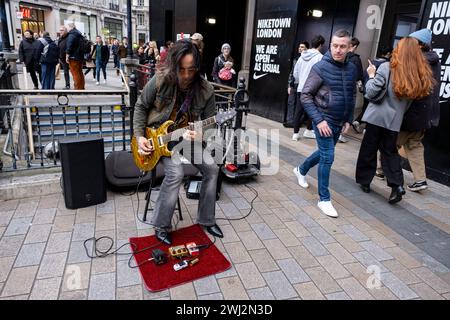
[28, 55]
[62, 44]
[75, 56]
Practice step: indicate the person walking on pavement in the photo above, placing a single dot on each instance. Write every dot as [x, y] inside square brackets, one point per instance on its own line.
[75, 56]
[123, 52]
[49, 58]
[115, 52]
[301, 72]
[328, 99]
[421, 116]
[28, 55]
[391, 89]
[292, 87]
[62, 44]
[101, 57]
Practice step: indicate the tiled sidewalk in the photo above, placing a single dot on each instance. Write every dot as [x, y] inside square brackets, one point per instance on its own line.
[286, 249]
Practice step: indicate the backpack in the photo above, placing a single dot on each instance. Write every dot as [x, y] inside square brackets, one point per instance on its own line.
[225, 74]
[85, 45]
[50, 54]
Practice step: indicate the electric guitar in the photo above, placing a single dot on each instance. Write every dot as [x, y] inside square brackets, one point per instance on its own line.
[160, 137]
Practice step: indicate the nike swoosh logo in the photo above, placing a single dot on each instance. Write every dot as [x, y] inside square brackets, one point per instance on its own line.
[256, 77]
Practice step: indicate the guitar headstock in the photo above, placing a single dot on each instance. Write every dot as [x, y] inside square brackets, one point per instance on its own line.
[224, 116]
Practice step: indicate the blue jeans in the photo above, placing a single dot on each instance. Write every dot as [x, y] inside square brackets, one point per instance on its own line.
[100, 65]
[324, 157]
[48, 76]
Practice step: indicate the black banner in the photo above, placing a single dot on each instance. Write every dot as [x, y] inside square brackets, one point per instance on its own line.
[436, 17]
[273, 43]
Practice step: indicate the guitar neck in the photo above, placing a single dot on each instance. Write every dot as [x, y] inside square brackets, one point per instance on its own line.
[177, 134]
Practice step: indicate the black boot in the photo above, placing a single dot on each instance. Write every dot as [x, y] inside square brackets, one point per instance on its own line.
[215, 231]
[163, 236]
[396, 194]
[365, 188]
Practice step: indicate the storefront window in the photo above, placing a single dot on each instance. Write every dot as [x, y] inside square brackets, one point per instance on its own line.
[33, 19]
[113, 29]
[87, 25]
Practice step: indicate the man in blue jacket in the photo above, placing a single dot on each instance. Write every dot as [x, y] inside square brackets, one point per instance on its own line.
[328, 99]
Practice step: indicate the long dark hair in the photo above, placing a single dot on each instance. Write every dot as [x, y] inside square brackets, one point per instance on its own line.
[169, 72]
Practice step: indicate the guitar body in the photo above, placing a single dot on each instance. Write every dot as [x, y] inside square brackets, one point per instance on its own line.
[147, 163]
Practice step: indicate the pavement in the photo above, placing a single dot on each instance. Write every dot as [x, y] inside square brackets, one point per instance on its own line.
[286, 249]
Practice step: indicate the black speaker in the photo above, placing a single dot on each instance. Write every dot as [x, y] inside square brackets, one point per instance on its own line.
[83, 172]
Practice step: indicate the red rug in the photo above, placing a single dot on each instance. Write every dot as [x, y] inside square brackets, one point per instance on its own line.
[161, 277]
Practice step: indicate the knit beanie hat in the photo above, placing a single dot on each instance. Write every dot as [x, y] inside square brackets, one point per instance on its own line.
[225, 45]
[423, 35]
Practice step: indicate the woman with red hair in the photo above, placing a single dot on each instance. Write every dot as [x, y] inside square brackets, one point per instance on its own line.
[391, 89]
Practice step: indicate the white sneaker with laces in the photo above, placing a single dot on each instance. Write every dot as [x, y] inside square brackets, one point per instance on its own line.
[301, 179]
[97, 83]
[342, 139]
[327, 208]
[309, 134]
[296, 137]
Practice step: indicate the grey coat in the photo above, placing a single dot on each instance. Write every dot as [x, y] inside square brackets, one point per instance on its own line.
[389, 112]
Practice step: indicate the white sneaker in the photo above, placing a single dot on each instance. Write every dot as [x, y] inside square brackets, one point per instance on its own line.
[301, 179]
[104, 81]
[296, 137]
[97, 83]
[309, 134]
[327, 208]
[342, 139]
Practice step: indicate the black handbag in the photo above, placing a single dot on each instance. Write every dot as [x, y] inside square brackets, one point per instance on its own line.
[383, 92]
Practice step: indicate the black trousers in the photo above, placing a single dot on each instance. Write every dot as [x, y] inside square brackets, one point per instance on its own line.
[65, 67]
[31, 68]
[378, 138]
[301, 116]
[365, 105]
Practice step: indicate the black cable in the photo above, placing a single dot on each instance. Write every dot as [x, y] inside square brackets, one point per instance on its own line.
[255, 192]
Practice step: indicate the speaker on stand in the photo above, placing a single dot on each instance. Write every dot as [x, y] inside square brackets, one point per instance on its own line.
[83, 172]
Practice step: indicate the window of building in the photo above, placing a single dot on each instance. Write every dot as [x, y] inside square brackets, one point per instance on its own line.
[140, 3]
[113, 29]
[33, 19]
[140, 19]
[114, 5]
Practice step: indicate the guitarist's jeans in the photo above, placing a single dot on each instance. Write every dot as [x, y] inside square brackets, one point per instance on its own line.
[168, 195]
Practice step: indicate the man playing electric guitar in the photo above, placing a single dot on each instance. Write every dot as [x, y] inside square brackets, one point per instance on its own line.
[176, 90]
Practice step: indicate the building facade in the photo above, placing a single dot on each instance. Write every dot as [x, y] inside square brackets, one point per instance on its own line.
[141, 21]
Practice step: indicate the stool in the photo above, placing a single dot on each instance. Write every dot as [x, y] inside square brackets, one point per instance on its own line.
[149, 195]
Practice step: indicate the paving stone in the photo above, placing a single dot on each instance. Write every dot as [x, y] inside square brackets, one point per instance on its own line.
[230, 234]
[288, 239]
[10, 246]
[426, 292]
[250, 276]
[126, 276]
[367, 260]
[379, 239]
[315, 247]
[106, 208]
[279, 285]
[20, 281]
[48, 202]
[102, 287]
[261, 294]
[309, 291]
[432, 280]
[2, 231]
[237, 252]
[26, 210]
[376, 251]
[77, 252]
[106, 222]
[320, 234]
[337, 296]
[401, 272]
[306, 220]
[104, 265]
[401, 290]
[323, 280]
[44, 216]
[30, 255]
[206, 286]
[76, 277]
[6, 265]
[383, 293]
[277, 249]
[214, 297]
[273, 221]
[63, 223]
[298, 229]
[251, 240]
[232, 289]
[133, 293]
[47, 289]
[339, 252]
[354, 233]
[348, 243]
[5, 218]
[241, 203]
[241, 226]
[59, 242]
[38, 233]
[9, 205]
[18, 227]
[333, 267]
[354, 289]
[52, 265]
[83, 231]
[230, 272]
[293, 271]
[263, 231]
[263, 260]
[303, 257]
[404, 258]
